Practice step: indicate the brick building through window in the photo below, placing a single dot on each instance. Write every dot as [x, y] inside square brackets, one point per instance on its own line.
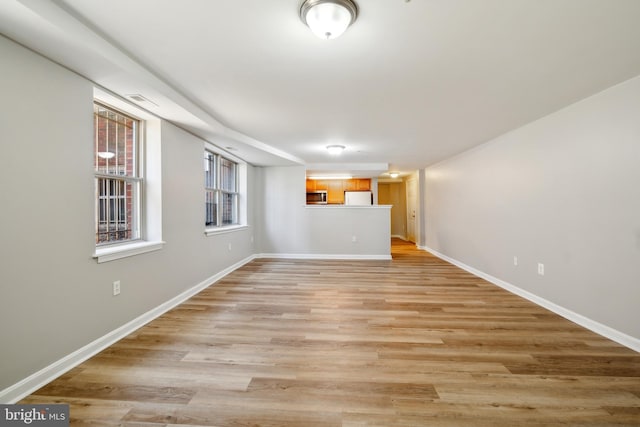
[221, 190]
[116, 175]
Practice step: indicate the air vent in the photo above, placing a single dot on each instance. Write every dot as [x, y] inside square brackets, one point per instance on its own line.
[139, 98]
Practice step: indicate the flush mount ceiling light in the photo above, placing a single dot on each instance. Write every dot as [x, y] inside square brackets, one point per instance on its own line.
[393, 175]
[328, 19]
[335, 150]
[106, 155]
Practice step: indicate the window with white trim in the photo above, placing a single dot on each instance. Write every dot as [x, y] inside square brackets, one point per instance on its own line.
[118, 183]
[221, 191]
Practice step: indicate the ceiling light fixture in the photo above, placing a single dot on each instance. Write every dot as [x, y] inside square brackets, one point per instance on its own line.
[393, 175]
[328, 19]
[106, 155]
[335, 150]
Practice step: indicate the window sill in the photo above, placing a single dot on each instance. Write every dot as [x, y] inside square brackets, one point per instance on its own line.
[125, 250]
[222, 230]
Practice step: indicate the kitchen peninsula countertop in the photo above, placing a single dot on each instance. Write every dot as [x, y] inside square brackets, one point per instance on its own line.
[347, 206]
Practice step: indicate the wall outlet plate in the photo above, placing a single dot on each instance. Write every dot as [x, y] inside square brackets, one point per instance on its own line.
[116, 288]
[541, 269]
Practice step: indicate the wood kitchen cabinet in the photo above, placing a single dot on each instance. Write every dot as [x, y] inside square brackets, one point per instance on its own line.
[357, 184]
[335, 188]
[350, 184]
[335, 193]
[317, 185]
[321, 184]
[363, 184]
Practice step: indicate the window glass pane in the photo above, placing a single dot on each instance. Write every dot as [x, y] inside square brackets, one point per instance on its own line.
[209, 170]
[227, 175]
[115, 142]
[115, 210]
[229, 209]
[211, 208]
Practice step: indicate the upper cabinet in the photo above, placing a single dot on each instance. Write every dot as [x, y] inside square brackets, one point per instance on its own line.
[317, 185]
[335, 194]
[335, 188]
[357, 184]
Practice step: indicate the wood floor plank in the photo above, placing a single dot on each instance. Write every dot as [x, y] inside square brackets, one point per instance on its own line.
[119, 391]
[413, 341]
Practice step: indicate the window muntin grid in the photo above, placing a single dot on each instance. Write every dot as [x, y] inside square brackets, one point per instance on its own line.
[221, 190]
[117, 180]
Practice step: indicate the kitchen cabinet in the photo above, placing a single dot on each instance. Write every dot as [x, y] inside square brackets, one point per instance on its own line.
[311, 185]
[335, 193]
[363, 184]
[335, 188]
[317, 185]
[350, 185]
[321, 184]
[357, 184]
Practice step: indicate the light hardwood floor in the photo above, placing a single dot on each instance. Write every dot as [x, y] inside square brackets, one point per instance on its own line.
[409, 342]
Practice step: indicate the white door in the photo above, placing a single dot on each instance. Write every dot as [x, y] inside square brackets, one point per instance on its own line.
[412, 200]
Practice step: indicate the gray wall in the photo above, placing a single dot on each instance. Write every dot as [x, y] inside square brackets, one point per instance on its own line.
[563, 191]
[288, 227]
[54, 297]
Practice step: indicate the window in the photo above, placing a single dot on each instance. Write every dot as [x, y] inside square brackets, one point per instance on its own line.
[221, 190]
[117, 179]
[128, 179]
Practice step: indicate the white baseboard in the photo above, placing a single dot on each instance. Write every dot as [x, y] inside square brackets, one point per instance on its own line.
[592, 325]
[325, 256]
[47, 374]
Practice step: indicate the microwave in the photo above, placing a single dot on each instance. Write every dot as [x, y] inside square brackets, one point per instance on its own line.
[317, 197]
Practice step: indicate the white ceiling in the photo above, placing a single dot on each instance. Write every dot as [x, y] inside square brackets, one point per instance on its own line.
[409, 84]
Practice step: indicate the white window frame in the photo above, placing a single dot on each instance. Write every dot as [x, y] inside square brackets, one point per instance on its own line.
[135, 181]
[240, 195]
[150, 194]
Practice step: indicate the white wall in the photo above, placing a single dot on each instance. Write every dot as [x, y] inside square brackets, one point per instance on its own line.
[563, 191]
[289, 227]
[54, 297]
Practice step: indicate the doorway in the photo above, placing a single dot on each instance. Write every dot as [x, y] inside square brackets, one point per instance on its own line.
[394, 194]
[412, 202]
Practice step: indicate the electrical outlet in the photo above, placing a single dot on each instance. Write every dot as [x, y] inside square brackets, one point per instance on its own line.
[515, 260]
[116, 288]
[229, 247]
[541, 269]
[354, 239]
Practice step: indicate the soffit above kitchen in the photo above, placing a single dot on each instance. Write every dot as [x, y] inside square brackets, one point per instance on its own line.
[408, 84]
[351, 170]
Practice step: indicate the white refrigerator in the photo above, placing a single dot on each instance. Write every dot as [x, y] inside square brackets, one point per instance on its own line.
[358, 198]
